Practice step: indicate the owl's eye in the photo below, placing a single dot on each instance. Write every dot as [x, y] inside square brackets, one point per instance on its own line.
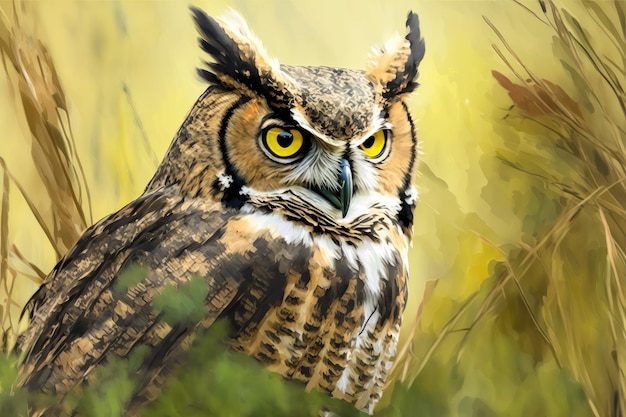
[376, 145]
[283, 144]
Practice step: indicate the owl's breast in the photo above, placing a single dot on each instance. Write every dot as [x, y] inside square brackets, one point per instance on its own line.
[317, 308]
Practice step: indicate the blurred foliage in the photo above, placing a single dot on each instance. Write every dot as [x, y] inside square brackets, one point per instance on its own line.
[221, 382]
[517, 282]
[12, 399]
[190, 301]
[227, 383]
[545, 334]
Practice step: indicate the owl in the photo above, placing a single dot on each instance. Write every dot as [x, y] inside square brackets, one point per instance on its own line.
[289, 191]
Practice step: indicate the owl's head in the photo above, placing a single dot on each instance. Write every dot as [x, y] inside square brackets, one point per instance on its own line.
[317, 144]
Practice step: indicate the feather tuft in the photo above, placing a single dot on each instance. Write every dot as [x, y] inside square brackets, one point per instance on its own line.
[395, 67]
[240, 61]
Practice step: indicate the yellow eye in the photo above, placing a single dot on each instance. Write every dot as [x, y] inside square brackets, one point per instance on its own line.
[375, 145]
[282, 143]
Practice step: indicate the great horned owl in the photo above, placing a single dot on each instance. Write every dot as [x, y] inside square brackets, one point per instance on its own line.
[289, 190]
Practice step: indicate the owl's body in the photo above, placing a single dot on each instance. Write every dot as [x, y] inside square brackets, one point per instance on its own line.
[289, 191]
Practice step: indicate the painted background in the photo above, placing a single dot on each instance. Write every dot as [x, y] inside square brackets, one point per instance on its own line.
[517, 265]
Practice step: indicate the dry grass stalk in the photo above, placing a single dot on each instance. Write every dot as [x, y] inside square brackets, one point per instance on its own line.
[594, 138]
[578, 261]
[38, 93]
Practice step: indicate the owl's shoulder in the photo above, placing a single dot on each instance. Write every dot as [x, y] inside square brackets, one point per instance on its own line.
[155, 231]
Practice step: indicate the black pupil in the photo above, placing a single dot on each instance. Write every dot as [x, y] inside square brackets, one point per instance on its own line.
[369, 142]
[284, 139]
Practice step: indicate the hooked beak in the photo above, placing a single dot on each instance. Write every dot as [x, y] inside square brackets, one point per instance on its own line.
[340, 198]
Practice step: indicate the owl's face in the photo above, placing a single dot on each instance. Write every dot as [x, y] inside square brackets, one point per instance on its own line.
[317, 144]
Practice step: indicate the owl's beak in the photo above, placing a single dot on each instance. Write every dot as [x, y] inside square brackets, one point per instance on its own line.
[340, 198]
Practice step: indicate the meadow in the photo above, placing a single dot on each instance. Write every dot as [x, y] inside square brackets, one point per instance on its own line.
[517, 303]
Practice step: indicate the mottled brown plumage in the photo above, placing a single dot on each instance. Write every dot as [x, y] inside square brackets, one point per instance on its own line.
[289, 191]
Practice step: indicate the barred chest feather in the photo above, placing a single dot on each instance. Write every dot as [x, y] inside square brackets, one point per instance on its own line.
[330, 314]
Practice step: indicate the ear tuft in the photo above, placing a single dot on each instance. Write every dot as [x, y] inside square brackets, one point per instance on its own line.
[239, 60]
[395, 67]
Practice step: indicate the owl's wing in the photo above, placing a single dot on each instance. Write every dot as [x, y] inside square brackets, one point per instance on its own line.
[98, 301]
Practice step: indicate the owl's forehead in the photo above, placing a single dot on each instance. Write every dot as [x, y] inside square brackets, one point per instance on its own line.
[338, 103]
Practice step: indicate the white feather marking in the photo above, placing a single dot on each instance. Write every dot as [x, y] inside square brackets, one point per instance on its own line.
[411, 195]
[350, 255]
[373, 257]
[343, 381]
[225, 180]
[293, 233]
[362, 204]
